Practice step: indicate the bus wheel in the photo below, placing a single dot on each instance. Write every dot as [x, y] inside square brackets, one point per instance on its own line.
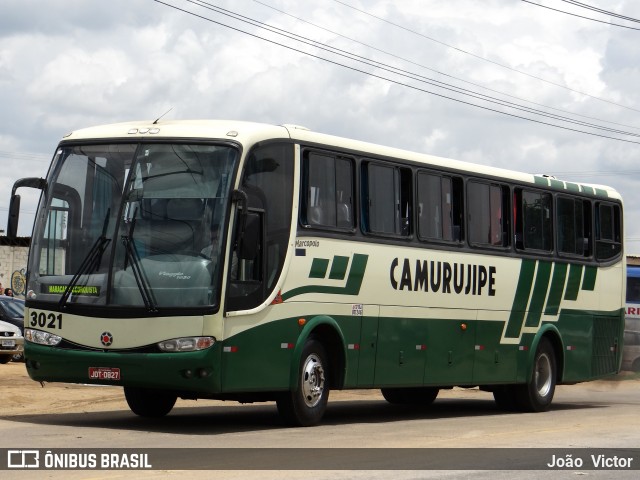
[536, 395]
[410, 396]
[306, 405]
[147, 402]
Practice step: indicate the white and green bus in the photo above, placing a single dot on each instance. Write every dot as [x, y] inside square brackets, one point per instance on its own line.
[249, 262]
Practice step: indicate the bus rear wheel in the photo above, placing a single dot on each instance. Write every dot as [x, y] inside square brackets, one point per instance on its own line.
[536, 395]
[150, 403]
[305, 405]
[410, 395]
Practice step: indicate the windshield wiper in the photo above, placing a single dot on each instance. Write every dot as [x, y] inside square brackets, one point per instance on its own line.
[138, 273]
[90, 263]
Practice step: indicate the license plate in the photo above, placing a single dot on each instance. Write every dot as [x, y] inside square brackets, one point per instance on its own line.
[8, 343]
[104, 373]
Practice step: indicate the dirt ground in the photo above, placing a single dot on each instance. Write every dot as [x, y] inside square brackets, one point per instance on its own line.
[19, 395]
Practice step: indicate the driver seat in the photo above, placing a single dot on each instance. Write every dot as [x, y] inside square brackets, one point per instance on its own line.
[180, 229]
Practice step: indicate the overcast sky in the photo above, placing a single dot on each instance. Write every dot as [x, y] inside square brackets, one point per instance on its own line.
[68, 64]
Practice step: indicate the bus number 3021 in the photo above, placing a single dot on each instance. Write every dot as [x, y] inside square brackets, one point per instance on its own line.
[41, 319]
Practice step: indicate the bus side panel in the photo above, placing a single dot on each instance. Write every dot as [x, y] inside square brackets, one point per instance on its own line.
[450, 352]
[591, 345]
[495, 362]
[367, 349]
[401, 355]
[353, 328]
[259, 359]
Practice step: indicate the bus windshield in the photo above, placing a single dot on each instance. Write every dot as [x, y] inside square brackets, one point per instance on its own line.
[133, 225]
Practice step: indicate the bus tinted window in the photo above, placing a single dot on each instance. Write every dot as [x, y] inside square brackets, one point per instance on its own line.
[487, 204]
[439, 207]
[574, 226]
[608, 231]
[328, 200]
[536, 209]
[387, 199]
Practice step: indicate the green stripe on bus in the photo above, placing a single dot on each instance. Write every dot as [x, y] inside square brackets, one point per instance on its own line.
[352, 287]
[589, 280]
[557, 289]
[541, 180]
[573, 187]
[573, 284]
[523, 289]
[588, 190]
[601, 192]
[319, 268]
[556, 184]
[539, 294]
[339, 267]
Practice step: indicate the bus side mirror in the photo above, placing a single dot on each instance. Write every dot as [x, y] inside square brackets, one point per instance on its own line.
[14, 204]
[14, 213]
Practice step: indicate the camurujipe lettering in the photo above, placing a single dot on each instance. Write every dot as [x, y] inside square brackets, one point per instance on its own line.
[442, 277]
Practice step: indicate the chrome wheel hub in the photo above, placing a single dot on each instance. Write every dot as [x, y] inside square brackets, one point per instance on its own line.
[312, 380]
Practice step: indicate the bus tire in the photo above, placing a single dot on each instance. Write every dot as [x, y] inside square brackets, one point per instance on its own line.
[305, 406]
[536, 395]
[410, 395]
[150, 403]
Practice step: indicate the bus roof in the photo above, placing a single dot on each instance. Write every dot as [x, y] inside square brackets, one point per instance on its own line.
[251, 132]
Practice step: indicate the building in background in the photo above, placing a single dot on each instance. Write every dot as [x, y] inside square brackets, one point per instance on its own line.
[13, 263]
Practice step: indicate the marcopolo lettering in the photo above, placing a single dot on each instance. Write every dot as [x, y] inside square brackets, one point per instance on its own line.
[442, 277]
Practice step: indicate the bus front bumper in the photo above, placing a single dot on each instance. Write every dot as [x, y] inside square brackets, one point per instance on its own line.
[197, 371]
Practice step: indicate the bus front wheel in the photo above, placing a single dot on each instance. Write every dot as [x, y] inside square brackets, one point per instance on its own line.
[150, 403]
[537, 393]
[305, 405]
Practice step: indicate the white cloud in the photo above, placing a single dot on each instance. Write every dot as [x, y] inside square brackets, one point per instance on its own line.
[70, 63]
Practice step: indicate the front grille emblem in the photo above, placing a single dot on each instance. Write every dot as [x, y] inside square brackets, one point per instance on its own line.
[106, 338]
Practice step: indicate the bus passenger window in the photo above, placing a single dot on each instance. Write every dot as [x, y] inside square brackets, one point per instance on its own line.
[534, 223]
[608, 231]
[439, 207]
[327, 198]
[573, 226]
[487, 223]
[387, 199]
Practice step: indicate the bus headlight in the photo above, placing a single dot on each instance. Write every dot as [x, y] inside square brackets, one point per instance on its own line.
[42, 338]
[186, 344]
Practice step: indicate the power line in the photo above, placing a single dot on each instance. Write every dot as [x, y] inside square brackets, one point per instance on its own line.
[576, 15]
[24, 156]
[412, 76]
[398, 71]
[599, 10]
[437, 71]
[486, 59]
[608, 173]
